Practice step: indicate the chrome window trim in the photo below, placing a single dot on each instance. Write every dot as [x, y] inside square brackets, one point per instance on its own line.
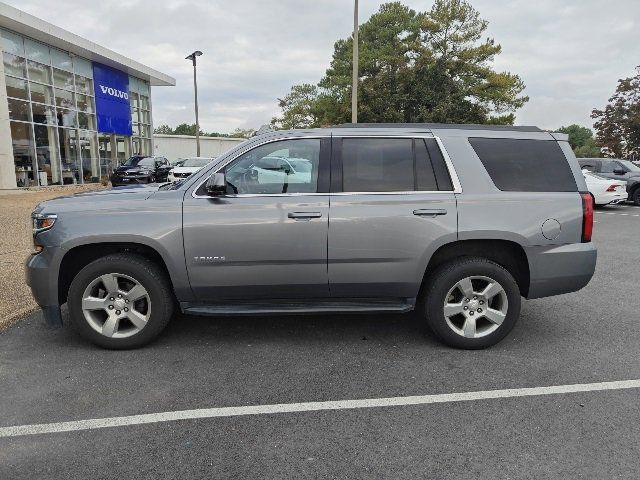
[457, 186]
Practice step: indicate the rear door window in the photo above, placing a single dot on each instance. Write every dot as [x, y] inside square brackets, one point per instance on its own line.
[377, 165]
[525, 165]
[393, 165]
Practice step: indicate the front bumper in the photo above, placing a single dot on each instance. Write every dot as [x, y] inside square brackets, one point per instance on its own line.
[558, 269]
[129, 179]
[44, 285]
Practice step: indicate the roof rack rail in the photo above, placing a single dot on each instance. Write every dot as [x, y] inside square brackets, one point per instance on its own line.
[441, 126]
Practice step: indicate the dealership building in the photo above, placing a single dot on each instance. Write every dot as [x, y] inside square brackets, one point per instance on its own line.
[70, 110]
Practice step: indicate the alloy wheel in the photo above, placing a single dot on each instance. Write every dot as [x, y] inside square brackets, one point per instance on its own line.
[475, 306]
[116, 305]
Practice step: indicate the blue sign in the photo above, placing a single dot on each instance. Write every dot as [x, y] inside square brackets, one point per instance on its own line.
[113, 111]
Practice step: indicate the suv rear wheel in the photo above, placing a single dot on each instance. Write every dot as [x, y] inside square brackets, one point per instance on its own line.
[472, 303]
[120, 301]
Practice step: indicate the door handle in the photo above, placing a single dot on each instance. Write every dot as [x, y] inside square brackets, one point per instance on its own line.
[430, 212]
[304, 215]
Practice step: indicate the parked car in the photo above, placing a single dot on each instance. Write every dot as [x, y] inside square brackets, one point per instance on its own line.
[162, 171]
[605, 191]
[139, 169]
[616, 169]
[456, 222]
[188, 166]
[274, 170]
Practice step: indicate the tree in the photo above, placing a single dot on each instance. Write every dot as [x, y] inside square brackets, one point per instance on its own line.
[242, 133]
[164, 130]
[618, 125]
[581, 140]
[414, 67]
[298, 108]
[186, 129]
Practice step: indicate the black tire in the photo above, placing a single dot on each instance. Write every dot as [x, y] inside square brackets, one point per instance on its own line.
[445, 278]
[147, 274]
[636, 197]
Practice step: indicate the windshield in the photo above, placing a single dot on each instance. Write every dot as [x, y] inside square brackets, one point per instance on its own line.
[138, 160]
[632, 167]
[196, 162]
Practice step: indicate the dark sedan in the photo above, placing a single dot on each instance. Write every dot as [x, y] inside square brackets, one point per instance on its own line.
[139, 169]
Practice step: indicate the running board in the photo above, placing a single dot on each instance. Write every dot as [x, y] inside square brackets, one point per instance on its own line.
[292, 308]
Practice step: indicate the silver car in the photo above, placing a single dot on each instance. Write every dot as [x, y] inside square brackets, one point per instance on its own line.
[455, 222]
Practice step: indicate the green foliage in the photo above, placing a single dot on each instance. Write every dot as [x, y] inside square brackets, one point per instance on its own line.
[582, 141]
[164, 130]
[414, 67]
[618, 125]
[186, 129]
[241, 133]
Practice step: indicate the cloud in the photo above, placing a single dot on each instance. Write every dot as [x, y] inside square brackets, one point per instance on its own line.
[569, 54]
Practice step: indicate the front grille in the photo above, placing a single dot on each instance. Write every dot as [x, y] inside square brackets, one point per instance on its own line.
[181, 175]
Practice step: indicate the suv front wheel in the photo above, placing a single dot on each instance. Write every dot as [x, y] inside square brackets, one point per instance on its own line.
[472, 303]
[120, 301]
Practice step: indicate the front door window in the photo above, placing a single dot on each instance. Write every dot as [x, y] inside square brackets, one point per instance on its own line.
[289, 166]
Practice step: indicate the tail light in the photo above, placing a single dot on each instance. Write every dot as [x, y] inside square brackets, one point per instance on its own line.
[612, 188]
[587, 217]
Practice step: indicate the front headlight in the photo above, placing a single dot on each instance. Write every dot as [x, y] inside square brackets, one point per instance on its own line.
[43, 221]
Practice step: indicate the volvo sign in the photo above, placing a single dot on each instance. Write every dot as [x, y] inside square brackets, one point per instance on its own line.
[113, 111]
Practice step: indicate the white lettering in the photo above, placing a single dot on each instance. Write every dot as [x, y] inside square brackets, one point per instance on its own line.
[114, 93]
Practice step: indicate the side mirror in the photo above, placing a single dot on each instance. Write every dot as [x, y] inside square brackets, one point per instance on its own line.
[216, 185]
[619, 171]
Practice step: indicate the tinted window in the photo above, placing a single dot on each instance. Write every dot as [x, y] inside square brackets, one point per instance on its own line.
[147, 162]
[439, 165]
[135, 160]
[267, 170]
[591, 165]
[525, 165]
[425, 178]
[377, 165]
[629, 166]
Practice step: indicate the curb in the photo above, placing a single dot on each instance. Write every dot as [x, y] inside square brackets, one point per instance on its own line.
[9, 321]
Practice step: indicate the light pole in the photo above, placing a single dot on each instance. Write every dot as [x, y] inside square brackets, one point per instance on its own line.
[354, 88]
[193, 57]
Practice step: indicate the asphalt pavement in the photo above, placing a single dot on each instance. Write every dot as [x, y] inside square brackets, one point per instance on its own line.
[589, 336]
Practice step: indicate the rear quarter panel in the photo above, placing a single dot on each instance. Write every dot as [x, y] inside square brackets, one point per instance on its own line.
[485, 212]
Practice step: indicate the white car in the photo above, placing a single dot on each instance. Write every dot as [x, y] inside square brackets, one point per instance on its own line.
[604, 190]
[280, 170]
[189, 166]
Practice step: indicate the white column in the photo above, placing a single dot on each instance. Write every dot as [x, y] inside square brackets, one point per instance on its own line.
[7, 166]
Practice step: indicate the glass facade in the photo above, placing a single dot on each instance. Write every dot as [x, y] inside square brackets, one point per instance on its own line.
[52, 117]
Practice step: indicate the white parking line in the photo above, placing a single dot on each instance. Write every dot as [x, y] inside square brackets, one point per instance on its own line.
[621, 214]
[95, 423]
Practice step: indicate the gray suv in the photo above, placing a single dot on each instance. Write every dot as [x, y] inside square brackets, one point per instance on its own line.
[456, 222]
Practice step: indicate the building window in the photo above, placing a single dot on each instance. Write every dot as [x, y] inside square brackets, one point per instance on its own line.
[17, 88]
[13, 65]
[19, 110]
[23, 153]
[47, 155]
[39, 72]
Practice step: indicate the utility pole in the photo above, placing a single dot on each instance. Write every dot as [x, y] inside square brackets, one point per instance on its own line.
[354, 90]
[193, 57]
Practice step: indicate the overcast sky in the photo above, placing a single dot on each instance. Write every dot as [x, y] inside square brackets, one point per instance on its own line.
[570, 53]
